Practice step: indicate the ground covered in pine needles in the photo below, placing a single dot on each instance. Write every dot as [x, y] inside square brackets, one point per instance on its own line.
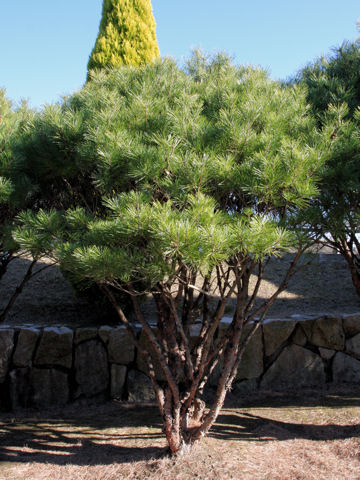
[310, 435]
[275, 436]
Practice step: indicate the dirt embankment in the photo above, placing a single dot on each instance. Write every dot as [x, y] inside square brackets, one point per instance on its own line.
[48, 299]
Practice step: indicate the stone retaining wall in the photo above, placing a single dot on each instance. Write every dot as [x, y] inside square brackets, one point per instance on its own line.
[42, 367]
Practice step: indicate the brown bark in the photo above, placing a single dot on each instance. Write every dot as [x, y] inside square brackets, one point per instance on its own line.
[158, 390]
[350, 260]
[187, 366]
[17, 292]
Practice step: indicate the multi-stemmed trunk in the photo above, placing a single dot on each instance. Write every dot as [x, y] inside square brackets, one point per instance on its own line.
[186, 361]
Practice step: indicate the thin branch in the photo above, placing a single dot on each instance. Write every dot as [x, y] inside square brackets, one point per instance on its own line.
[251, 302]
[18, 291]
[203, 347]
[141, 320]
[183, 336]
[147, 357]
[219, 284]
[289, 274]
[153, 340]
[208, 294]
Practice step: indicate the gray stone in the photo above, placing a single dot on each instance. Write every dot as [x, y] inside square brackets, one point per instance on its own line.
[139, 387]
[55, 347]
[20, 387]
[299, 337]
[307, 326]
[6, 348]
[118, 377]
[84, 334]
[194, 332]
[345, 369]
[91, 368]
[120, 347]
[295, 367]
[353, 346]
[251, 364]
[25, 347]
[325, 332]
[351, 324]
[300, 317]
[326, 354]
[276, 333]
[49, 387]
[104, 333]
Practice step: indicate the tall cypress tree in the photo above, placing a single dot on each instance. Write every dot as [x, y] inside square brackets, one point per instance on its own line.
[126, 35]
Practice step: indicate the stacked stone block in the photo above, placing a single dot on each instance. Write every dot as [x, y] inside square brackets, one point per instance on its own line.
[53, 366]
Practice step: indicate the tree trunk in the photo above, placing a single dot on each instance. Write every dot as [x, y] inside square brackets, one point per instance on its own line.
[354, 271]
[186, 366]
[181, 427]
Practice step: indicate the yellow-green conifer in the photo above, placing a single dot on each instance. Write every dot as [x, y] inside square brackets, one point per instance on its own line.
[126, 35]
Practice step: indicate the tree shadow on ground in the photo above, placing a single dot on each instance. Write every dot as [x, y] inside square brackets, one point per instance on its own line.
[329, 396]
[121, 433]
[85, 436]
[236, 423]
[246, 426]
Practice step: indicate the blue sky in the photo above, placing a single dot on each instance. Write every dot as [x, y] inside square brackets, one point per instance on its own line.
[45, 44]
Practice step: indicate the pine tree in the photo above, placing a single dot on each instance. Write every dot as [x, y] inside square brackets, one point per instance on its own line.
[334, 96]
[126, 36]
[196, 176]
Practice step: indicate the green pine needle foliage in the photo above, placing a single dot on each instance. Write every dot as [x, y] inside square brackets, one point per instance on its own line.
[13, 123]
[126, 36]
[334, 95]
[155, 167]
[334, 80]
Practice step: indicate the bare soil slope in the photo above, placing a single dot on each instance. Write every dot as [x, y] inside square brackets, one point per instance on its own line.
[48, 299]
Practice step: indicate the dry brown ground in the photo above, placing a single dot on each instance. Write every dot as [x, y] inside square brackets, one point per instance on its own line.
[273, 437]
[310, 436]
[323, 287]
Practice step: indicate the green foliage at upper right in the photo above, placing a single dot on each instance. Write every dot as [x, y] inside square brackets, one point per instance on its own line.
[126, 36]
[334, 80]
[334, 94]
